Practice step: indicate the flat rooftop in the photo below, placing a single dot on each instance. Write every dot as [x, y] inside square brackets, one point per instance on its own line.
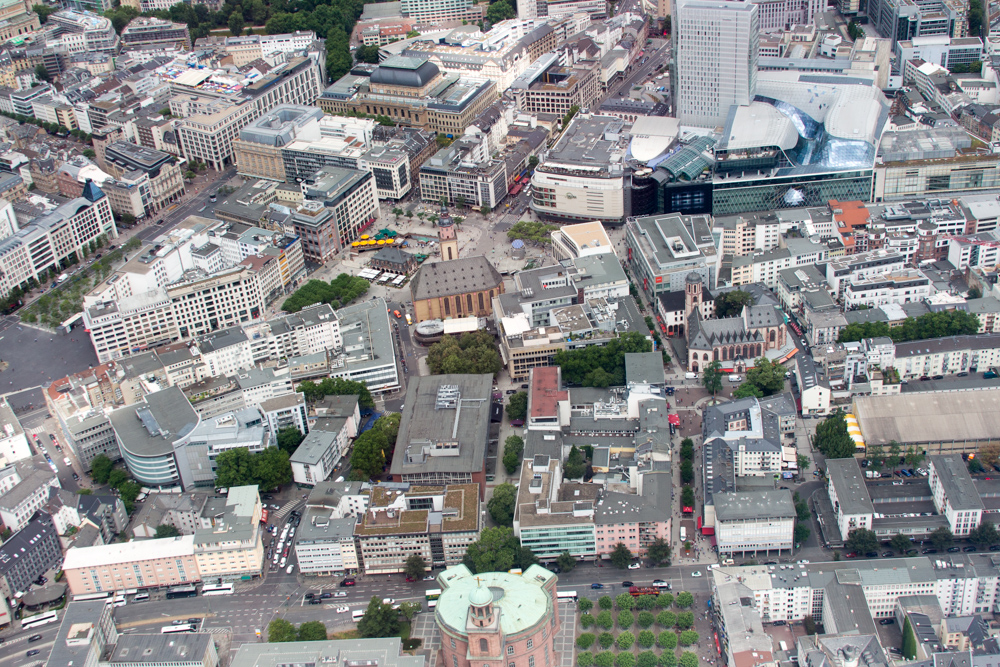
[929, 417]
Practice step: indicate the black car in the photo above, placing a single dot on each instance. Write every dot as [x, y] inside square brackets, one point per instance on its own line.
[76, 477]
[954, 550]
[34, 638]
[871, 554]
[888, 554]
[296, 513]
[938, 377]
[995, 547]
[970, 549]
[32, 652]
[886, 621]
[315, 601]
[627, 584]
[511, 391]
[778, 623]
[267, 496]
[929, 551]
[310, 596]
[326, 595]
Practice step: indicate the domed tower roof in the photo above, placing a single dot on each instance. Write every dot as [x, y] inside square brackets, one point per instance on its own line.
[404, 71]
[480, 596]
[692, 278]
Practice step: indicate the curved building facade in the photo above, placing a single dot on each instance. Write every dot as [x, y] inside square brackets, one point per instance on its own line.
[149, 433]
[498, 619]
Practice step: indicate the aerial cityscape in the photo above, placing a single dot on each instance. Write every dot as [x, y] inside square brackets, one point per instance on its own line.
[510, 333]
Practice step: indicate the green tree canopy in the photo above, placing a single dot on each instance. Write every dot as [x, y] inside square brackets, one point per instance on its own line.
[289, 439]
[537, 232]
[730, 304]
[367, 54]
[711, 377]
[474, 352]
[501, 505]
[236, 24]
[380, 620]
[941, 537]
[513, 449]
[339, 292]
[985, 535]
[621, 556]
[312, 631]
[566, 563]
[517, 405]
[862, 541]
[414, 567]
[832, 439]
[767, 375]
[497, 550]
[684, 599]
[368, 457]
[166, 530]
[43, 11]
[901, 543]
[658, 552]
[314, 391]
[575, 466]
[624, 601]
[267, 469]
[688, 659]
[748, 390]
[280, 630]
[929, 325]
[597, 366]
[100, 468]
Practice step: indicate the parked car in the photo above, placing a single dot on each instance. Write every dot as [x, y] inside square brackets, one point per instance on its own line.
[887, 554]
[315, 601]
[954, 550]
[929, 551]
[696, 573]
[597, 586]
[634, 566]
[340, 594]
[886, 621]
[348, 582]
[970, 549]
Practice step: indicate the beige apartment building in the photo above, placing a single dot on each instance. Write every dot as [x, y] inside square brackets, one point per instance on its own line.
[138, 564]
[228, 543]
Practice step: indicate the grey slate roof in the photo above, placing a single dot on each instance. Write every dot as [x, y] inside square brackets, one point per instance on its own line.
[457, 276]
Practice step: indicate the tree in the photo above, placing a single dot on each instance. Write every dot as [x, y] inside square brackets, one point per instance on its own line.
[166, 530]
[801, 532]
[974, 293]
[985, 535]
[624, 601]
[688, 659]
[688, 637]
[625, 640]
[913, 456]
[646, 603]
[730, 304]
[894, 450]
[941, 537]
[312, 631]
[667, 640]
[584, 659]
[584, 605]
[604, 659]
[605, 602]
[748, 390]
[990, 452]
[711, 378]
[854, 31]
[646, 618]
[501, 507]
[565, 562]
[496, 550]
[460, 201]
[474, 352]
[684, 599]
[573, 110]
[664, 601]
[862, 541]
[44, 11]
[687, 472]
[586, 640]
[929, 325]
[517, 405]
[236, 24]
[606, 639]
[415, 567]
[271, 468]
[625, 619]
[767, 375]
[876, 456]
[368, 456]
[367, 54]
[117, 477]
[380, 620]
[532, 162]
[621, 556]
[604, 620]
[668, 659]
[832, 438]
[625, 659]
[289, 439]
[909, 640]
[280, 630]
[42, 73]
[513, 449]
[339, 292]
[646, 658]
[536, 232]
[409, 610]
[900, 543]
[600, 366]
[575, 466]
[809, 625]
[485, 210]
[100, 468]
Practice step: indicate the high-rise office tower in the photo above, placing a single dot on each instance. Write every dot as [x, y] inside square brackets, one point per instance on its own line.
[715, 58]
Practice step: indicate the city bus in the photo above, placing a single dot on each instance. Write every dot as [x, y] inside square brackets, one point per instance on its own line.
[217, 589]
[40, 619]
[357, 615]
[91, 596]
[432, 594]
[181, 592]
[569, 596]
[184, 627]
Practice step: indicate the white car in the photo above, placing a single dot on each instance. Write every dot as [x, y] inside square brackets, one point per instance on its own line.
[430, 577]
[696, 573]
[340, 594]
[343, 610]
[388, 601]
[634, 566]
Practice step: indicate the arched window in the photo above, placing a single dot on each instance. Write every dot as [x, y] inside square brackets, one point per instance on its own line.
[481, 306]
[468, 302]
[715, 354]
[484, 646]
[704, 357]
[447, 306]
[772, 335]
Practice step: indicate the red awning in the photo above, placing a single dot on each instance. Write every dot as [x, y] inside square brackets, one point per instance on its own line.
[674, 419]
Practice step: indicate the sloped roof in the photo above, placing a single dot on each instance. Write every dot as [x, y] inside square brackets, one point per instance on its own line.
[457, 276]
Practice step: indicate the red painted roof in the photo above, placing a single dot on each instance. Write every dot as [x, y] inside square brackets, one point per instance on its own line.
[545, 393]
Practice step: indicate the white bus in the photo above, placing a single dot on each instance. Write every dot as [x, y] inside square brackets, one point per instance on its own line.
[184, 627]
[40, 619]
[217, 589]
[570, 596]
[119, 600]
[684, 534]
[140, 597]
[432, 604]
[357, 615]
[90, 596]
